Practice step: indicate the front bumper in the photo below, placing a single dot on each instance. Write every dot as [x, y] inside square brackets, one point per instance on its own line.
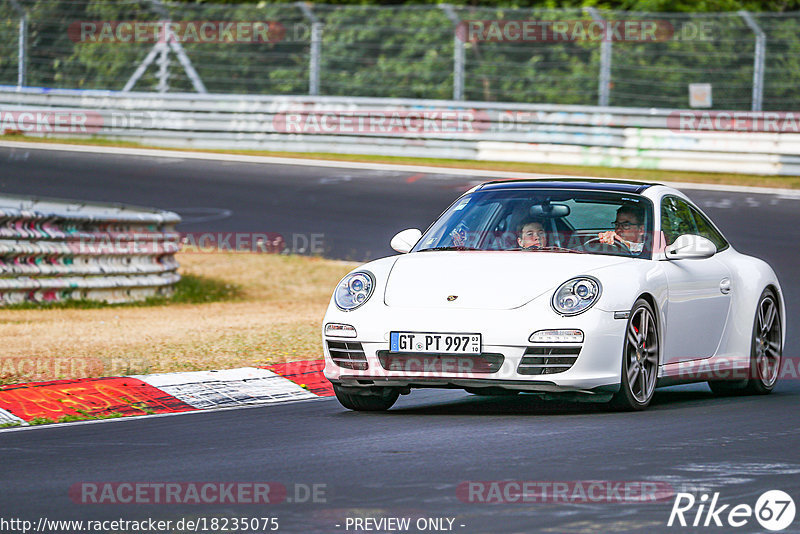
[504, 332]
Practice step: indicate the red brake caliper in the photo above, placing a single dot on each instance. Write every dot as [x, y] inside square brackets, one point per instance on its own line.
[637, 331]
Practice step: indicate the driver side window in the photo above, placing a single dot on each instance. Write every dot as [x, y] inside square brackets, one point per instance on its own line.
[676, 219]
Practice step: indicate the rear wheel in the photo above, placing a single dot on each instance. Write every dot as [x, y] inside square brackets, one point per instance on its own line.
[766, 351]
[639, 359]
[378, 400]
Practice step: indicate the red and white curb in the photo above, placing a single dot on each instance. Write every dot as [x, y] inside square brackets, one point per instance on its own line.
[138, 395]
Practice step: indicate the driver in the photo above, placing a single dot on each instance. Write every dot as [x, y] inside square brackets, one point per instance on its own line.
[628, 229]
[531, 234]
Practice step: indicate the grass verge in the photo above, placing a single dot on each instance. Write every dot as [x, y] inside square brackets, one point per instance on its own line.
[233, 310]
[788, 182]
[191, 289]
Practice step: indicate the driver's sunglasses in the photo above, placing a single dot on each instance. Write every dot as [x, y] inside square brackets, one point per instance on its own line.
[623, 225]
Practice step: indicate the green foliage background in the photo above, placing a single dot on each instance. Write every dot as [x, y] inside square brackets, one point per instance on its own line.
[407, 51]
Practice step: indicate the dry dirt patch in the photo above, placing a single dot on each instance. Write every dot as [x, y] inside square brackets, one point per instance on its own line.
[276, 317]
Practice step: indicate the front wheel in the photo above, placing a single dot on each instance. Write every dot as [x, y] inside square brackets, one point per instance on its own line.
[766, 350]
[378, 400]
[639, 359]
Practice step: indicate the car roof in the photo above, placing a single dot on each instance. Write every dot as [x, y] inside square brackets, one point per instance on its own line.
[590, 184]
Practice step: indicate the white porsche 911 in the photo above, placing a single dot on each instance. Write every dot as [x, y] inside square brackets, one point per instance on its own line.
[599, 290]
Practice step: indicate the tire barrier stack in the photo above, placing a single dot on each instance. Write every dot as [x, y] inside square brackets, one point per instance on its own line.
[643, 138]
[53, 250]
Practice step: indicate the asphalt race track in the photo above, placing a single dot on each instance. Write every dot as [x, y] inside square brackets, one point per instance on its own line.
[410, 461]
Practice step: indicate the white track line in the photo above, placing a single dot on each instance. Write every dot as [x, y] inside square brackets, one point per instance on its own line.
[485, 173]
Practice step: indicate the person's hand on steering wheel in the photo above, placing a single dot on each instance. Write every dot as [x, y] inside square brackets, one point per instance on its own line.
[609, 238]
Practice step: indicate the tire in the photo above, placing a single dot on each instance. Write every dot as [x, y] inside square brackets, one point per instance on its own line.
[378, 401]
[640, 358]
[766, 352]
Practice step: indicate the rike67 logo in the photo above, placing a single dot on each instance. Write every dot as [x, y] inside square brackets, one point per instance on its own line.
[774, 510]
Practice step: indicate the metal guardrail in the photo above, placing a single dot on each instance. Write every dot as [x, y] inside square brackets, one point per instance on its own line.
[567, 55]
[53, 250]
[489, 131]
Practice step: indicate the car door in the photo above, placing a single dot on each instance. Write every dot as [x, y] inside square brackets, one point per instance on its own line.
[699, 289]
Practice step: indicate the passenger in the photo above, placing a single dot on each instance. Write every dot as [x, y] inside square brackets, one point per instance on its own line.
[531, 234]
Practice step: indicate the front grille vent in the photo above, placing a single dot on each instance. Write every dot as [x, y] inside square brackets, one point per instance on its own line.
[348, 354]
[548, 360]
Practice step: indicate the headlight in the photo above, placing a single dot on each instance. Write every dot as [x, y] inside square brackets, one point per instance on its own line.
[577, 295]
[354, 290]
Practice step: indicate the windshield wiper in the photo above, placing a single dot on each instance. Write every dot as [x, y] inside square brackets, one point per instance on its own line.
[447, 248]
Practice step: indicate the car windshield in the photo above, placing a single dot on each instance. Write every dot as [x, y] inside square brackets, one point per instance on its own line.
[549, 220]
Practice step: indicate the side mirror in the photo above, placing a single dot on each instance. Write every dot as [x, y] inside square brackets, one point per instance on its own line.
[405, 240]
[688, 247]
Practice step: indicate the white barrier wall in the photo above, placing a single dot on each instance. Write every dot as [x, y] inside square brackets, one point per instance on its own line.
[570, 135]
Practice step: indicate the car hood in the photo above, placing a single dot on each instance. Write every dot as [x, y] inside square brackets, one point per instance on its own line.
[488, 280]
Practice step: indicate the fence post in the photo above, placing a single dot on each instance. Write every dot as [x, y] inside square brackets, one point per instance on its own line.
[458, 53]
[163, 48]
[758, 60]
[604, 84]
[315, 49]
[22, 44]
[163, 70]
[177, 48]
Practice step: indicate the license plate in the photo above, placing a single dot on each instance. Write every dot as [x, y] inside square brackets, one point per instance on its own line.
[434, 342]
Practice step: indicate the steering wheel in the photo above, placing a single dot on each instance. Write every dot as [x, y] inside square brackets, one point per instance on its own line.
[618, 244]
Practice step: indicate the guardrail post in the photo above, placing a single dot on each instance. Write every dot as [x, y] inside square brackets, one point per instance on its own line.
[758, 60]
[458, 53]
[22, 44]
[315, 49]
[604, 83]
